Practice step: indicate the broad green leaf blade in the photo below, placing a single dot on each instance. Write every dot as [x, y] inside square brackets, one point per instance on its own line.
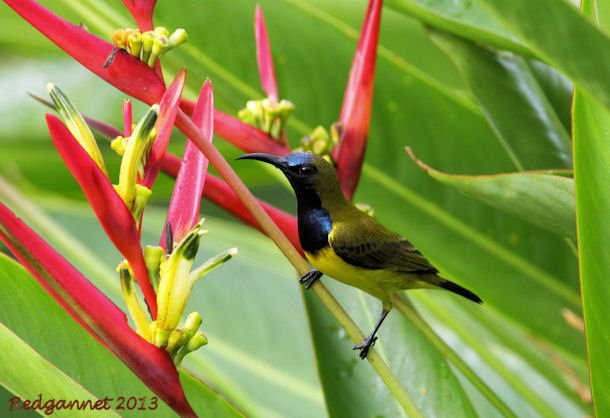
[591, 177]
[542, 198]
[543, 387]
[513, 103]
[562, 37]
[29, 312]
[557, 88]
[350, 386]
[464, 18]
[27, 374]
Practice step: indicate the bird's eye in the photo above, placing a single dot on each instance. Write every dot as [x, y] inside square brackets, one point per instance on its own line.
[307, 169]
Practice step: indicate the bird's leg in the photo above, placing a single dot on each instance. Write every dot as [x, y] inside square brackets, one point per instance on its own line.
[368, 342]
[310, 277]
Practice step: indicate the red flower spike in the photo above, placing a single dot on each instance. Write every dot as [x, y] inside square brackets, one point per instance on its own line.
[127, 118]
[243, 136]
[357, 102]
[126, 73]
[184, 205]
[222, 195]
[264, 57]
[93, 311]
[165, 123]
[114, 216]
[142, 12]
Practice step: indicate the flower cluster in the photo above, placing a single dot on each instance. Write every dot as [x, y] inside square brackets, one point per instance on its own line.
[150, 45]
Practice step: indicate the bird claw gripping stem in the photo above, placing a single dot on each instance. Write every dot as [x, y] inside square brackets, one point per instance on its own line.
[365, 346]
[310, 278]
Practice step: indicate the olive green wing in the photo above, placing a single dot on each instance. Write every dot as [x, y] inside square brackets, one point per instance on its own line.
[366, 243]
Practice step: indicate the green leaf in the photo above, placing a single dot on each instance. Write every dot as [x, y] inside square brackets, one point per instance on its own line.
[591, 162]
[543, 198]
[494, 349]
[465, 18]
[562, 37]
[591, 177]
[29, 312]
[27, 374]
[513, 103]
[418, 366]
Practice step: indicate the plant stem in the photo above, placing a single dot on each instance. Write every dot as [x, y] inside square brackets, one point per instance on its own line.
[408, 311]
[184, 123]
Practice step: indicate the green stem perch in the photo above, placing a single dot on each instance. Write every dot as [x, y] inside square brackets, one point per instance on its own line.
[184, 123]
[405, 307]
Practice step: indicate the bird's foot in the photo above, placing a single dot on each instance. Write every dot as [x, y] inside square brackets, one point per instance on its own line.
[310, 278]
[365, 346]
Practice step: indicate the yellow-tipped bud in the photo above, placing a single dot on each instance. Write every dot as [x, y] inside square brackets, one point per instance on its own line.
[118, 145]
[76, 125]
[134, 158]
[178, 38]
[194, 343]
[193, 322]
[148, 39]
[177, 339]
[134, 40]
[119, 38]
[138, 315]
[158, 48]
[153, 255]
[161, 31]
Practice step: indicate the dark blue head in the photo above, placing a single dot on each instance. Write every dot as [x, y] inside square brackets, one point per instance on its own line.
[309, 174]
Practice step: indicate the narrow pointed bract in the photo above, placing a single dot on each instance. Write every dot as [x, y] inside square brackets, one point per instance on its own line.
[358, 102]
[113, 214]
[165, 123]
[127, 119]
[184, 205]
[93, 310]
[264, 57]
[142, 12]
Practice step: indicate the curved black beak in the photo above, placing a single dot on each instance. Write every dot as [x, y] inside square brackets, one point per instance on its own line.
[279, 162]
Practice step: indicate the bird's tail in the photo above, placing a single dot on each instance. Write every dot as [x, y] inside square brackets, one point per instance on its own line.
[456, 288]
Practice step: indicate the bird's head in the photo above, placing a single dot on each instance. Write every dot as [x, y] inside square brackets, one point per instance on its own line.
[307, 173]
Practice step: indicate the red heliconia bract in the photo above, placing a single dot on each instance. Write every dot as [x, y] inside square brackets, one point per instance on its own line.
[142, 12]
[263, 56]
[127, 119]
[184, 205]
[93, 311]
[165, 123]
[114, 216]
[358, 102]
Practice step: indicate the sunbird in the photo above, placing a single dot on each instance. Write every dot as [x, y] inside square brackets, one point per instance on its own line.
[349, 245]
